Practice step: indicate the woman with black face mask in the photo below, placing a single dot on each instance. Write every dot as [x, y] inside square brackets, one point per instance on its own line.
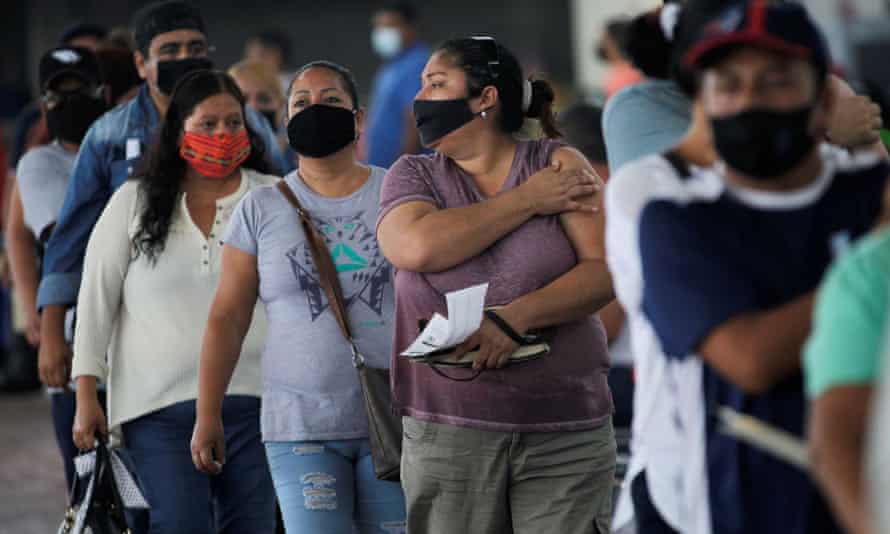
[500, 448]
[72, 97]
[313, 417]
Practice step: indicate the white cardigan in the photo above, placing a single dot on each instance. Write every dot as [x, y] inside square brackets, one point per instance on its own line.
[149, 319]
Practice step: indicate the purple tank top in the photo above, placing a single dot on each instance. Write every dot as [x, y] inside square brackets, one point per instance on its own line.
[567, 389]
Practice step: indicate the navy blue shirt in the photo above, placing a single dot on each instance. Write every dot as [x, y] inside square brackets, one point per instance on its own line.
[707, 261]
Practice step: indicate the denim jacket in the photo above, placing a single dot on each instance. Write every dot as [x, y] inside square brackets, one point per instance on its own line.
[112, 148]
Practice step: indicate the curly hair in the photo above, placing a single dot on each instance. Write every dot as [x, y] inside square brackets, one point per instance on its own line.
[164, 170]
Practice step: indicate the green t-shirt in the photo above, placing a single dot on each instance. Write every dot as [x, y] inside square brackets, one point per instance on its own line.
[851, 312]
[885, 137]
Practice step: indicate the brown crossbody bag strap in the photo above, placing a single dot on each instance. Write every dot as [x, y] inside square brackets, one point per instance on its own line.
[384, 426]
[327, 271]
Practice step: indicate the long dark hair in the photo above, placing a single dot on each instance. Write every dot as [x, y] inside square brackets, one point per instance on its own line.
[474, 57]
[164, 170]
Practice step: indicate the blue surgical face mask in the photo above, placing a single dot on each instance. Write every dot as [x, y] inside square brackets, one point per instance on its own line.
[387, 42]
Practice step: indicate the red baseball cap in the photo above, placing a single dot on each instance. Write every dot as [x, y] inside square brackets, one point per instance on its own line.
[785, 28]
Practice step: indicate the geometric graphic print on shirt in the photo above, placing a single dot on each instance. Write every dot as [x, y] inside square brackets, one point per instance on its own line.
[361, 268]
[310, 389]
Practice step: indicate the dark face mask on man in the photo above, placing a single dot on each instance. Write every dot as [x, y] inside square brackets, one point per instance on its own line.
[437, 118]
[764, 143]
[170, 72]
[321, 130]
[271, 116]
[72, 116]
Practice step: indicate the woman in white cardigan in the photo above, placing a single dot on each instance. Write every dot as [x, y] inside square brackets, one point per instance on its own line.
[151, 269]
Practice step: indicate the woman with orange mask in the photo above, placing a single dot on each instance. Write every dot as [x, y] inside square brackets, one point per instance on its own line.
[152, 266]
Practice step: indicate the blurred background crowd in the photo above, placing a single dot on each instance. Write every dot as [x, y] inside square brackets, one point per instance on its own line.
[579, 45]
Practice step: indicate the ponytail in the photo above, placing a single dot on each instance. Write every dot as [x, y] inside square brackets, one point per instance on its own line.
[649, 47]
[540, 106]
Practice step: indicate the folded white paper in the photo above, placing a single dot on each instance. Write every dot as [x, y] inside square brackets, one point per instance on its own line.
[465, 311]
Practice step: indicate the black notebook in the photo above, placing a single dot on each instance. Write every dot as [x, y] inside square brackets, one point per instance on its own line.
[535, 346]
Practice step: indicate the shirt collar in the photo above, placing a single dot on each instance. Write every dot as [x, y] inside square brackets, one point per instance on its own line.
[406, 52]
[785, 200]
[148, 113]
[231, 199]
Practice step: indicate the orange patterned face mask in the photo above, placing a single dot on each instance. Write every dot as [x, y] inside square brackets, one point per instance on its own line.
[215, 156]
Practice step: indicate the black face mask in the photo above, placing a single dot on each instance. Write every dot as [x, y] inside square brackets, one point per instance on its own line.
[170, 72]
[271, 116]
[73, 115]
[437, 118]
[320, 130]
[764, 144]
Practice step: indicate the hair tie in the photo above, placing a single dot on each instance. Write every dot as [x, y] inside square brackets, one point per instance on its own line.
[668, 18]
[527, 93]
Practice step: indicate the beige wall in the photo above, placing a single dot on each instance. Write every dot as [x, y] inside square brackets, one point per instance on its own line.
[588, 17]
[587, 20]
[825, 11]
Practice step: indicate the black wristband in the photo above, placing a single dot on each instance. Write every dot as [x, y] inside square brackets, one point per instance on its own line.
[505, 327]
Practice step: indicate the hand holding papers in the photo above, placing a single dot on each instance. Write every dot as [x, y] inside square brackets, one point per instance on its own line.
[436, 343]
[465, 308]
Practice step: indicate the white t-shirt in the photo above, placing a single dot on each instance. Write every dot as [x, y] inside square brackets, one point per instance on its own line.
[42, 176]
[666, 416]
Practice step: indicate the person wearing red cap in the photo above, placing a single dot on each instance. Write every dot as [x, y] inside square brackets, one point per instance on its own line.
[731, 259]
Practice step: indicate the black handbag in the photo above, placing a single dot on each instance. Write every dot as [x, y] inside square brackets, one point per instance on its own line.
[96, 505]
[384, 427]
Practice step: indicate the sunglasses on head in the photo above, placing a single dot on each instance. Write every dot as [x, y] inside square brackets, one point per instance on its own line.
[490, 49]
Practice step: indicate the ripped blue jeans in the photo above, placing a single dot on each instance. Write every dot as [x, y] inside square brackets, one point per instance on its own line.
[329, 487]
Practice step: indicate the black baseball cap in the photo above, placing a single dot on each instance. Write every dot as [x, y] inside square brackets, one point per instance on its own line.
[69, 60]
[82, 29]
[785, 28]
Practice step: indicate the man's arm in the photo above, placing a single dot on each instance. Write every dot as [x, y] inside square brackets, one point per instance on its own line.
[842, 362]
[699, 303]
[837, 432]
[855, 122]
[88, 191]
[753, 353]
[21, 247]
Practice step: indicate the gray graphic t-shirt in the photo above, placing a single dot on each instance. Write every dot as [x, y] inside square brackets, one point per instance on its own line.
[310, 388]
